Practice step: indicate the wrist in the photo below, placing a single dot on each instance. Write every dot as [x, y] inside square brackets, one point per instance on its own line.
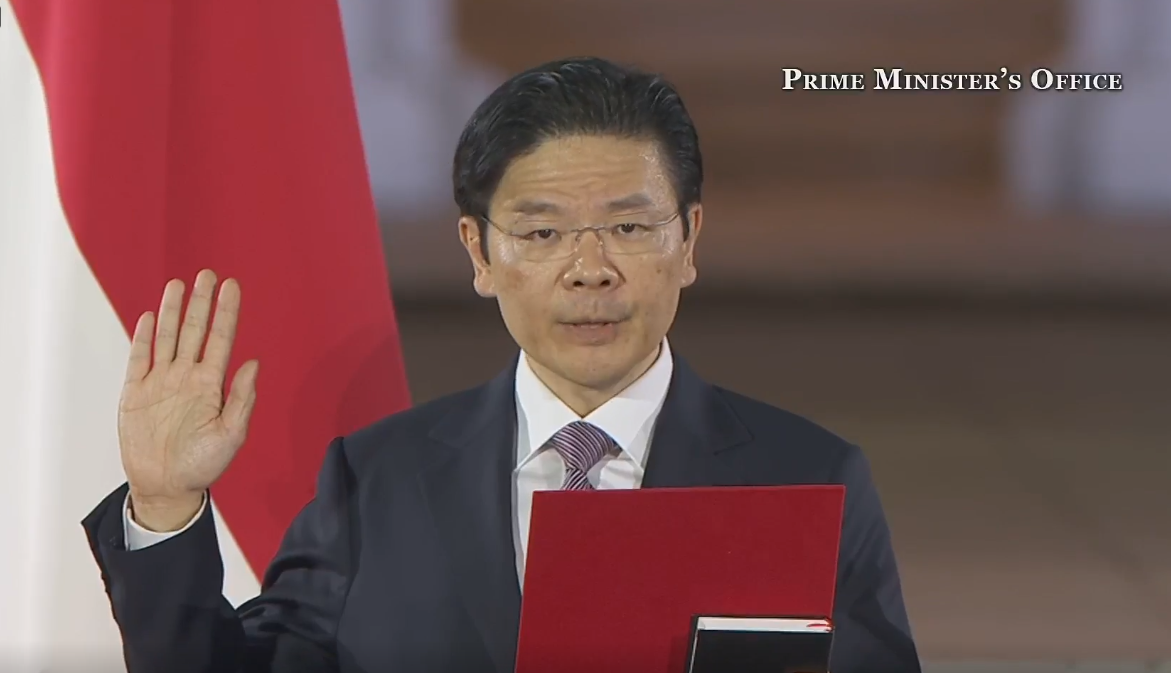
[164, 514]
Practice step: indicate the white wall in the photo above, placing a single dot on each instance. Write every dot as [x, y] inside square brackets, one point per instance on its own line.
[414, 90]
[1100, 151]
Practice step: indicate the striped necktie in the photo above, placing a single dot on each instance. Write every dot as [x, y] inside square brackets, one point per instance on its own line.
[581, 446]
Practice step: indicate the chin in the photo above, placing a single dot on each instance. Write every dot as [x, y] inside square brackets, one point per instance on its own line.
[599, 367]
[597, 359]
[596, 379]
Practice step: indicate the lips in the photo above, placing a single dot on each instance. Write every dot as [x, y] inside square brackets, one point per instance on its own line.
[590, 333]
[587, 323]
[601, 320]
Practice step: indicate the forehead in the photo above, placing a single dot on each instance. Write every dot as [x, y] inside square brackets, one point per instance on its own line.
[587, 173]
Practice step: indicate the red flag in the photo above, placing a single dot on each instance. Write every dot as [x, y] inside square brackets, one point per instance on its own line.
[184, 135]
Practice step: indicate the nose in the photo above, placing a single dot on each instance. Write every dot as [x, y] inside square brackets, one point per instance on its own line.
[591, 268]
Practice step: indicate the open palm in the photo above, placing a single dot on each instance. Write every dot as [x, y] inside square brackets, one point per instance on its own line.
[176, 429]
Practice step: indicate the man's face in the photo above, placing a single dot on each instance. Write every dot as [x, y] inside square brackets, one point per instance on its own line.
[595, 311]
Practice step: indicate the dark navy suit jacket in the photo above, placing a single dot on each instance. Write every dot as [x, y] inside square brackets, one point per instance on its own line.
[404, 561]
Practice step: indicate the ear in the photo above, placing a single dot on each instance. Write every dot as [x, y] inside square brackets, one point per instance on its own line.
[469, 235]
[695, 218]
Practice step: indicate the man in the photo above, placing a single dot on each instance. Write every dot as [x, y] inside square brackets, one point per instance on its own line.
[578, 184]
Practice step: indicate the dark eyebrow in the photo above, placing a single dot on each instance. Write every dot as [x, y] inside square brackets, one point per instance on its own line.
[631, 202]
[536, 208]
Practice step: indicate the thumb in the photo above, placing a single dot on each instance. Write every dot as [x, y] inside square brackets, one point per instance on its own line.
[241, 398]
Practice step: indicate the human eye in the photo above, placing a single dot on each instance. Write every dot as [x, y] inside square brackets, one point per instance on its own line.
[535, 233]
[543, 234]
[631, 229]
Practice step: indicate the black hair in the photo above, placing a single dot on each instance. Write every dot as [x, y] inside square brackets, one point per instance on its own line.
[573, 96]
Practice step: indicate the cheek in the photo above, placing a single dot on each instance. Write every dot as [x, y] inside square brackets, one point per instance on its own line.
[512, 279]
[519, 298]
[659, 284]
[666, 273]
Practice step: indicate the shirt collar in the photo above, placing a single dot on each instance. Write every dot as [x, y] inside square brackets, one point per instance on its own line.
[541, 413]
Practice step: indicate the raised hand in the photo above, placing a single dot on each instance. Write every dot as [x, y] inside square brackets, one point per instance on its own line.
[176, 429]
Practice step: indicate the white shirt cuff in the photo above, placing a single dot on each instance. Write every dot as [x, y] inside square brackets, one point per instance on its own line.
[138, 537]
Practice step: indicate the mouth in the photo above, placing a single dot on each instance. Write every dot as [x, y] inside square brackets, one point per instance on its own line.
[590, 324]
[591, 332]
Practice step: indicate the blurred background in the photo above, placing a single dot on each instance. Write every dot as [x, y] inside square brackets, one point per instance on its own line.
[974, 286]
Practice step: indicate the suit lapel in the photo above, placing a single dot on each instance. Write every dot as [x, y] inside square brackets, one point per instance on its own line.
[468, 484]
[694, 427]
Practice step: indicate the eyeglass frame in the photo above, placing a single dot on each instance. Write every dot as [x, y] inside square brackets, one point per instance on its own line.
[578, 232]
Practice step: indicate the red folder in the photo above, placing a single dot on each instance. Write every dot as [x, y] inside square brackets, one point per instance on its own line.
[613, 578]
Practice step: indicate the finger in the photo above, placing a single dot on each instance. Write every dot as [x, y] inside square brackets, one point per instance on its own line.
[223, 328]
[167, 328]
[195, 321]
[241, 399]
[138, 365]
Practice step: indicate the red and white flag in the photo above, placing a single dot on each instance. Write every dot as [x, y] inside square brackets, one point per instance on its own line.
[142, 140]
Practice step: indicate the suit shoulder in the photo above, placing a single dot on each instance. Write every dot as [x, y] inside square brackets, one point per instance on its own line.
[402, 428]
[774, 426]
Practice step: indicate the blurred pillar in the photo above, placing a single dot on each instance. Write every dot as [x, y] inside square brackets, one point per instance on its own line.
[1100, 151]
[415, 90]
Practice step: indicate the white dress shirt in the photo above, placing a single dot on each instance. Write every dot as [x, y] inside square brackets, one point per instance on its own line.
[629, 418]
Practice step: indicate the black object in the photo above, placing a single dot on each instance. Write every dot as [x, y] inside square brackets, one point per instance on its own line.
[759, 645]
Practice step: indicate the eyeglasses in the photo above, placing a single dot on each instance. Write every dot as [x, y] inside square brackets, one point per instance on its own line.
[548, 242]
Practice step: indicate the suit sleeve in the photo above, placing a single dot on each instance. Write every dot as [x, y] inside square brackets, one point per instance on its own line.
[168, 603]
[872, 631]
